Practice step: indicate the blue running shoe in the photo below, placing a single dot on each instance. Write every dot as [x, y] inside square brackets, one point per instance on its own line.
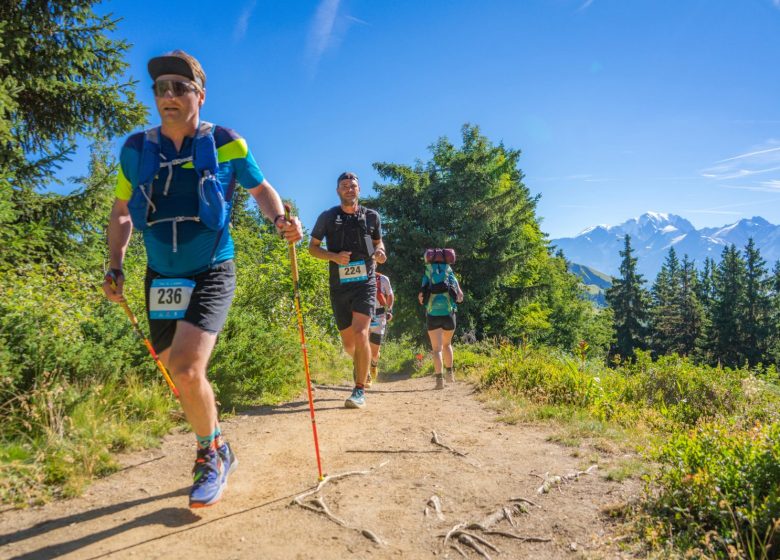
[209, 479]
[357, 399]
[229, 459]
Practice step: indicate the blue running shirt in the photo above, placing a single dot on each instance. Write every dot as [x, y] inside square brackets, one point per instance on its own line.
[195, 242]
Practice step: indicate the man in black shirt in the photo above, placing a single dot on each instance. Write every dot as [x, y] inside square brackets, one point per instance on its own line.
[353, 237]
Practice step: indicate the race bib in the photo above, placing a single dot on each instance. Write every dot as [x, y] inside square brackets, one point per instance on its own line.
[353, 272]
[169, 297]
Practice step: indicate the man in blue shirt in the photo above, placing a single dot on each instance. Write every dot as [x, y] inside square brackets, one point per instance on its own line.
[190, 277]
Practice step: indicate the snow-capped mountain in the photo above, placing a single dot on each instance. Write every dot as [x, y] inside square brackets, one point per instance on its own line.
[653, 233]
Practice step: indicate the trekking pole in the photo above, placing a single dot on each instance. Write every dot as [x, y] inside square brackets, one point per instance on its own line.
[299, 313]
[140, 334]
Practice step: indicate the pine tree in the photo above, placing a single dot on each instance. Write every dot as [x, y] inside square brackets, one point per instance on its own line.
[755, 312]
[725, 336]
[61, 78]
[774, 323]
[665, 313]
[689, 338]
[629, 302]
[706, 284]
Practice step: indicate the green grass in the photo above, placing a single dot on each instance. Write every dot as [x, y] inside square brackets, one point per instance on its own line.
[60, 436]
[631, 467]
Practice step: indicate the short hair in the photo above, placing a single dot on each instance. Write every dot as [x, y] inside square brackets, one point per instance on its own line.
[347, 175]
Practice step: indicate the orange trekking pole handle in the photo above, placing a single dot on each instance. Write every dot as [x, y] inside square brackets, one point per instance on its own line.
[140, 334]
[299, 313]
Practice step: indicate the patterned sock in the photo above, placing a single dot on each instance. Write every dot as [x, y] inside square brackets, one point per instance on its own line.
[219, 440]
[359, 386]
[204, 442]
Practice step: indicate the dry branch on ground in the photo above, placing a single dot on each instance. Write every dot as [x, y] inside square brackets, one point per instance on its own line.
[464, 533]
[310, 501]
[435, 503]
[436, 441]
[552, 481]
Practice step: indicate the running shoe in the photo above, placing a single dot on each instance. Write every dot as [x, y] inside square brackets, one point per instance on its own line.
[439, 381]
[450, 375]
[209, 478]
[229, 459]
[357, 399]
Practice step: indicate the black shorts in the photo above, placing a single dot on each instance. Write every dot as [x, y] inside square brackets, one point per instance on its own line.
[375, 338]
[208, 306]
[446, 322]
[359, 297]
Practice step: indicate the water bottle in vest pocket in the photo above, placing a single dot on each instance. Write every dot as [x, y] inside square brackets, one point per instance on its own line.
[214, 209]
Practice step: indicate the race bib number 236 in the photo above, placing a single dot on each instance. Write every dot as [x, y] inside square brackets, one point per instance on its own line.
[169, 297]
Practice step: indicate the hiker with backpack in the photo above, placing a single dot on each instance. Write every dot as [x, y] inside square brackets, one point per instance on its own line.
[440, 293]
[176, 184]
[383, 313]
[353, 237]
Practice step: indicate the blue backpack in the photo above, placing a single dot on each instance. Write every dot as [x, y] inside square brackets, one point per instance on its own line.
[214, 202]
[441, 293]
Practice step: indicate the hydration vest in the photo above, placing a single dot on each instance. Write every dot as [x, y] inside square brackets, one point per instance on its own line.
[349, 222]
[149, 209]
[439, 291]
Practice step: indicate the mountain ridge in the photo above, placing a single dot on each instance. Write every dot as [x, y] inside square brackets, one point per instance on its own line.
[653, 233]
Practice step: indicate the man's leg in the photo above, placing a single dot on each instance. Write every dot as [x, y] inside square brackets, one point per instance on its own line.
[361, 358]
[362, 355]
[188, 359]
[375, 349]
[348, 341]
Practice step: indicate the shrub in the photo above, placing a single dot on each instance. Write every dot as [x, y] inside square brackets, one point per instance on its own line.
[719, 489]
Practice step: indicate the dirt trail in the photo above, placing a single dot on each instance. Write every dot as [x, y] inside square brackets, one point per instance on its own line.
[141, 511]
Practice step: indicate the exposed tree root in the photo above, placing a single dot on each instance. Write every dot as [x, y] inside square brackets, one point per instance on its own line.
[435, 503]
[465, 535]
[552, 481]
[518, 537]
[436, 441]
[309, 501]
[526, 500]
[459, 549]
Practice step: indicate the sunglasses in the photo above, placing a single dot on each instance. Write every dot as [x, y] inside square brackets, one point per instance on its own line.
[177, 88]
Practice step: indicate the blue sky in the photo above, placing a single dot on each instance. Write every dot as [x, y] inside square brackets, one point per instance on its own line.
[619, 106]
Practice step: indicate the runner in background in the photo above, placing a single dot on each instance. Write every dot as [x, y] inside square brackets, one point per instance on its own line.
[353, 245]
[383, 313]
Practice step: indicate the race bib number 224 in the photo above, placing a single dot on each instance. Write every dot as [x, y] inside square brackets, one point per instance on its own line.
[353, 272]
